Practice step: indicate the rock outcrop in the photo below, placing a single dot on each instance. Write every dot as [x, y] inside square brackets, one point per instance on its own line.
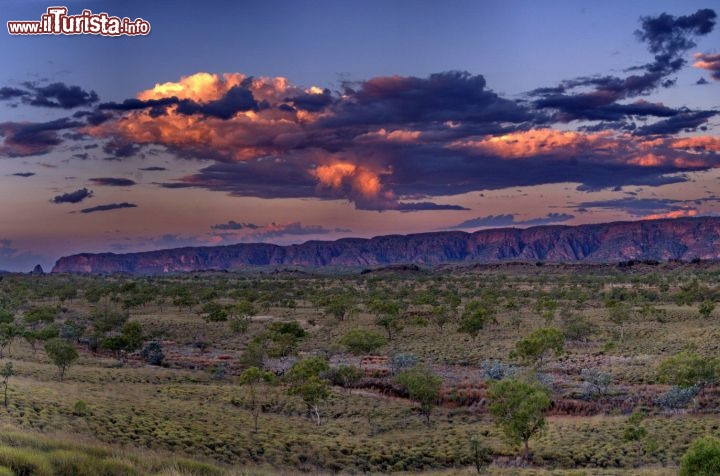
[662, 240]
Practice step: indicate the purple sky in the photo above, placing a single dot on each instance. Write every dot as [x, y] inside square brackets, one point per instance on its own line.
[288, 121]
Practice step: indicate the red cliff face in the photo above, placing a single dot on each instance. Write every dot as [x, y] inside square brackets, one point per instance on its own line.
[682, 239]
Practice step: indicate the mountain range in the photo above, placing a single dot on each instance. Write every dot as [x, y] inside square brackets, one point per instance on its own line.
[682, 239]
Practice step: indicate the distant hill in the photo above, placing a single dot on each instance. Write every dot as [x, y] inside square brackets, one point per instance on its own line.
[662, 240]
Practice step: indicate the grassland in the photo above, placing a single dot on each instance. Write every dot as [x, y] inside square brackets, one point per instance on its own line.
[190, 415]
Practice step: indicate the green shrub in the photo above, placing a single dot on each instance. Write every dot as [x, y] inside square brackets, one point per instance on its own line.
[702, 458]
[363, 341]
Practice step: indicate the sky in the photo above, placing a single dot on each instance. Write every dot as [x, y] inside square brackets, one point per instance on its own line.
[288, 121]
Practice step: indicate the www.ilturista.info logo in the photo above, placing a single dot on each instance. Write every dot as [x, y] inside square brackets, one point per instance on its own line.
[57, 22]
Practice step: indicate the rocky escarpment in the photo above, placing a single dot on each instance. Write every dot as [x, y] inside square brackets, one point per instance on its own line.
[662, 240]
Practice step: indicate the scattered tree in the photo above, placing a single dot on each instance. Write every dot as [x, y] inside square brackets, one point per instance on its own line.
[362, 341]
[251, 378]
[519, 409]
[6, 372]
[306, 380]
[422, 386]
[480, 454]
[62, 353]
[536, 346]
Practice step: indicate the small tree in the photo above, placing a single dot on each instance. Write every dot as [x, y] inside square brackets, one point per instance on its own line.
[534, 347]
[519, 409]
[362, 341]
[480, 454]
[306, 381]
[702, 458]
[388, 316]
[423, 387]
[6, 372]
[598, 382]
[251, 378]
[62, 353]
[619, 314]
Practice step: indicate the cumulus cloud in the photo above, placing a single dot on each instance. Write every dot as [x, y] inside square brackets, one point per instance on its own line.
[108, 207]
[73, 197]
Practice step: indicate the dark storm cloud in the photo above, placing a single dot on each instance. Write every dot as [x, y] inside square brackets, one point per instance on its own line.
[23, 174]
[702, 81]
[424, 206]
[94, 118]
[11, 93]
[108, 207]
[58, 95]
[73, 197]
[667, 37]
[136, 104]
[686, 121]
[666, 34]
[448, 96]
[113, 181]
[499, 221]
[635, 206]
[24, 139]
[152, 169]
[237, 99]
[233, 225]
[121, 149]
[312, 102]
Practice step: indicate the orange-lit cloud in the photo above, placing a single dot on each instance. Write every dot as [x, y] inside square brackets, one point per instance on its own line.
[358, 180]
[708, 62]
[685, 212]
[382, 135]
[698, 143]
[524, 144]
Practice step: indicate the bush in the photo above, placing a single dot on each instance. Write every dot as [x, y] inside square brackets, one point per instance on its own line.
[152, 353]
[402, 361]
[362, 341]
[702, 458]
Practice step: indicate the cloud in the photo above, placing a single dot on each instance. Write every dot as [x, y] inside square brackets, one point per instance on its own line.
[499, 221]
[23, 174]
[25, 139]
[424, 206]
[113, 181]
[708, 62]
[11, 93]
[233, 225]
[153, 169]
[702, 81]
[639, 207]
[687, 121]
[73, 197]
[668, 38]
[684, 212]
[109, 206]
[55, 95]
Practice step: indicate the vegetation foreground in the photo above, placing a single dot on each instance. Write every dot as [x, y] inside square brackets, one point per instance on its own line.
[514, 369]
